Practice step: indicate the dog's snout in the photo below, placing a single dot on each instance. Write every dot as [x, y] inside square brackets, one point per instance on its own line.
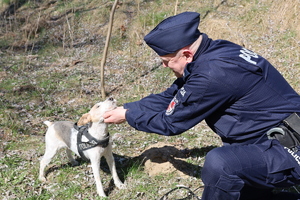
[110, 98]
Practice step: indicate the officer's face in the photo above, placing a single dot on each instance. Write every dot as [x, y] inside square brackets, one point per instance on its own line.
[176, 62]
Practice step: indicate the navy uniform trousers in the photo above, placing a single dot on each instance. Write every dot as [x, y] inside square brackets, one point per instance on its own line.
[250, 172]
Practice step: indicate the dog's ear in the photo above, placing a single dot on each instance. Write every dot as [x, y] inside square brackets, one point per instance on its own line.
[85, 118]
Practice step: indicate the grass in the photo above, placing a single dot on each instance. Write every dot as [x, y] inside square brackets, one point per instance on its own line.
[45, 83]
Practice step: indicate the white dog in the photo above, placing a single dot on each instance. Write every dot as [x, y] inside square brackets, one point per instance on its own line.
[93, 144]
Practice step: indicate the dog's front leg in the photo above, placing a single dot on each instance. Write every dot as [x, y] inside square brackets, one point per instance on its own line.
[96, 171]
[112, 166]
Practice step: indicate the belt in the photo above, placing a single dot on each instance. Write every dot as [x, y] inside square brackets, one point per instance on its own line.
[288, 134]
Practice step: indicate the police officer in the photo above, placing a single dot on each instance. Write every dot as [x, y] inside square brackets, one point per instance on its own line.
[239, 94]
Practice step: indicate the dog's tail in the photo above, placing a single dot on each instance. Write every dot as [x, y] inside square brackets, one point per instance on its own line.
[48, 123]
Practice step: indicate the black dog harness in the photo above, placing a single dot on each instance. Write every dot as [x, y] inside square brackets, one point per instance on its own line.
[93, 142]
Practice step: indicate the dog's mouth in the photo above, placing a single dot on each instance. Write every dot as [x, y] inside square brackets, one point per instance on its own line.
[112, 108]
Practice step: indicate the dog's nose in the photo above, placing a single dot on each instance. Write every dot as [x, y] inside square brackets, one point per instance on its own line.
[110, 98]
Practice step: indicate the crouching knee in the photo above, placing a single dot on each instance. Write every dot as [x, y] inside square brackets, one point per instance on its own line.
[219, 178]
[218, 163]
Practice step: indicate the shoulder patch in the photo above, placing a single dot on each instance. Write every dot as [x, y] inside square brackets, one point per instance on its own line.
[171, 106]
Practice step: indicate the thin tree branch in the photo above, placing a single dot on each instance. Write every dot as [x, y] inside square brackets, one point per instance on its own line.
[106, 48]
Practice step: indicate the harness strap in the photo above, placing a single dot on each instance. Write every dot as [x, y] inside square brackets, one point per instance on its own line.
[93, 142]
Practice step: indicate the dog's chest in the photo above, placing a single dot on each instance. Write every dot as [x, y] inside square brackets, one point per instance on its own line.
[74, 141]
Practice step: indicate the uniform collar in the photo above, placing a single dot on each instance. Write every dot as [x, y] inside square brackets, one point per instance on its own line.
[203, 45]
[202, 48]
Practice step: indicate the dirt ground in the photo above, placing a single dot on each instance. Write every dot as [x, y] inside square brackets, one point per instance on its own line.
[163, 158]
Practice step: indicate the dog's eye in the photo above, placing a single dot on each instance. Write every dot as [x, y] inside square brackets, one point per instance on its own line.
[98, 105]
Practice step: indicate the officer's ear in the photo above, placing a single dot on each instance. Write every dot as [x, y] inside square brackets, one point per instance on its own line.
[188, 55]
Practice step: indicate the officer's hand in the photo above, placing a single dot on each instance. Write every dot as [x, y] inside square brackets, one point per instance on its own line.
[116, 116]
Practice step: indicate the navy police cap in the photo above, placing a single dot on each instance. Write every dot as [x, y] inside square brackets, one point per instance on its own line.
[174, 33]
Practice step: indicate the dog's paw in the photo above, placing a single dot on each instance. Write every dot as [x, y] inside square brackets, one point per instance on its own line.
[42, 179]
[102, 194]
[121, 186]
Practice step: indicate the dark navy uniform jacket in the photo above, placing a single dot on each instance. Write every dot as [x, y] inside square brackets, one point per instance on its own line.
[238, 93]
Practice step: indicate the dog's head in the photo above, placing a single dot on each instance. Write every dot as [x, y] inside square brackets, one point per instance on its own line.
[97, 111]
